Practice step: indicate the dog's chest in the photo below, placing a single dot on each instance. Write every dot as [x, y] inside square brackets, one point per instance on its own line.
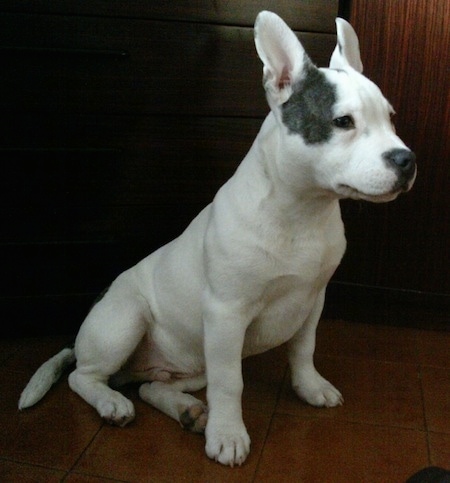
[284, 307]
[288, 298]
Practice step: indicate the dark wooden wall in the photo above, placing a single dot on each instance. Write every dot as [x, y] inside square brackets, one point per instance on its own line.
[398, 253]
[120, 120]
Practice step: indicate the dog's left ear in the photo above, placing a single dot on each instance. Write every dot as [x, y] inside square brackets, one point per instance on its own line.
[346, 53]
[282, 54]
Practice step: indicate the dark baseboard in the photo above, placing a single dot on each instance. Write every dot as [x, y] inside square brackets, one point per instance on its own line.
[44, 315]
[375, 305]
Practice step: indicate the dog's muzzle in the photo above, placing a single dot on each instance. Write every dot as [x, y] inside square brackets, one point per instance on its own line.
[403, 161]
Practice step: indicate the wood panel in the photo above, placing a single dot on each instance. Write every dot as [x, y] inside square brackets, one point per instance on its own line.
[307, 15]
[88, 212]
[122, 121]
[122, 66]
[406, 50]
[103, 177]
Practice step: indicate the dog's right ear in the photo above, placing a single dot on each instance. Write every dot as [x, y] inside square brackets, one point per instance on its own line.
[282, 55]
[346, 53]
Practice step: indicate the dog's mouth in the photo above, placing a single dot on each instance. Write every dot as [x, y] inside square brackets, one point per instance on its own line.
[402, 186]
[347, 191]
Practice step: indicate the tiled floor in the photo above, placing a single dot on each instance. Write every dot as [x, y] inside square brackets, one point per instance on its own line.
[395, 420]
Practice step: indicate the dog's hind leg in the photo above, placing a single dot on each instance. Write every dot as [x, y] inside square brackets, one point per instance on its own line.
[107, 338]
[306, 381]
[171, 399]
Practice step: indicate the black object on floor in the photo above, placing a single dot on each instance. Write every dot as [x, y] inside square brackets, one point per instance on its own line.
[432, 474]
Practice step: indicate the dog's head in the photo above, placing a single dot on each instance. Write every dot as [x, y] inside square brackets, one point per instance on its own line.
[336, 123]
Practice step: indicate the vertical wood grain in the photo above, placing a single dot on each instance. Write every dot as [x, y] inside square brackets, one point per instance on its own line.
[405, 47]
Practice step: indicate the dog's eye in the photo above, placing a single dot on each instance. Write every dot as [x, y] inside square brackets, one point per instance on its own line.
[344, 122]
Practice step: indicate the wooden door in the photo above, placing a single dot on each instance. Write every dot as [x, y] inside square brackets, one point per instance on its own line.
[401, 249]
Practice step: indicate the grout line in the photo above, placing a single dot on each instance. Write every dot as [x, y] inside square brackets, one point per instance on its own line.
[71, 473]
[32, 465]
[422, 395]
[86, 448]
[269, 426]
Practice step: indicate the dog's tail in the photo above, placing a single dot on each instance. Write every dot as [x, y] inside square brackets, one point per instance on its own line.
[44, 378]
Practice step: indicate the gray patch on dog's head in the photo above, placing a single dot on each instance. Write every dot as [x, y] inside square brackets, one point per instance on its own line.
[309, 110]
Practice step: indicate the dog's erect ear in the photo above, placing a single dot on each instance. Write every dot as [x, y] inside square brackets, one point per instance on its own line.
[282, 55]
[346, 52]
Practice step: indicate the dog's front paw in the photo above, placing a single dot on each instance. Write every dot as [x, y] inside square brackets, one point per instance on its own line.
[318, 392]
[228, 444]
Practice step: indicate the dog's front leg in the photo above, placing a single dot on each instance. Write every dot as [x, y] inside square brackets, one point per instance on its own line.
[306, 381]
[227, 440]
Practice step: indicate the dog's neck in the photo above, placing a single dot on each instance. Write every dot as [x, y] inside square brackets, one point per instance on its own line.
[302, 204]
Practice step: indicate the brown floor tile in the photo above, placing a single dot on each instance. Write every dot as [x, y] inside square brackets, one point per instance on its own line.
[374, 392]
[155, 448]
[80, 478]
[53, 433]
[434, 348]
[263, 377]
[387, 393]
[18, 472]
[31, 352]
[436, 391]
[364, 341]
[440, 449]
[377, 436]
[321, 450]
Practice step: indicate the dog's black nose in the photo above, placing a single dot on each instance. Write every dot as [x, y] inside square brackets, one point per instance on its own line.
[401, 158]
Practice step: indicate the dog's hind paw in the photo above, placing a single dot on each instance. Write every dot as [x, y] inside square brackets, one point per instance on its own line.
[194, 418]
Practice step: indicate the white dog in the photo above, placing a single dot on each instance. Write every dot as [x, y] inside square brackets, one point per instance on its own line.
[250, 271]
